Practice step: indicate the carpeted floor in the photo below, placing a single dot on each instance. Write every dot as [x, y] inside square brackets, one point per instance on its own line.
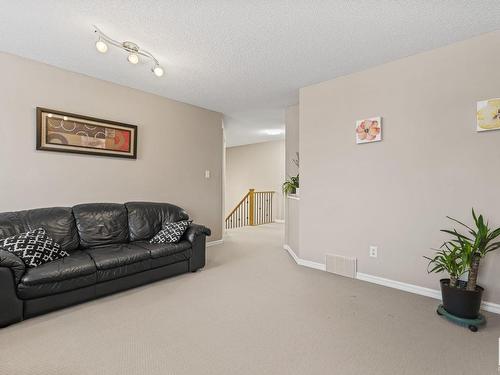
[252, 310]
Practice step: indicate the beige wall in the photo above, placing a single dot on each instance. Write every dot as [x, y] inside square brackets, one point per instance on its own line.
[291, 139]
[396, 193]
[260, 166]
[292, 203]
[177, 142]
[292, 230]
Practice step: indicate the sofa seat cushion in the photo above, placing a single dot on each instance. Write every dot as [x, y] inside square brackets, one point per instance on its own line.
[118, 260]
[72, 272]
[159, 250]
[163, 254]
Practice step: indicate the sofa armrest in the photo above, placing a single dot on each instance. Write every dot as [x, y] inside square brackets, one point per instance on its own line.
[197, 235]
[11, 307]
[195, 230]
[14, 263]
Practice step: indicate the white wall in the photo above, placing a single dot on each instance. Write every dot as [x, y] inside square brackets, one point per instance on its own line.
[177, 142]
[431, 163]
[259, 166]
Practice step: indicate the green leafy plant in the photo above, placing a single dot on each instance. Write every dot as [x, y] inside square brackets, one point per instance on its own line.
[481, 238]
[451, 258]
[464, 252]
[291, 185]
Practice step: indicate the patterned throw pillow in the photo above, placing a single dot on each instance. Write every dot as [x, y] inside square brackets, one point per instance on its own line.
[171, 232]
[34, 247]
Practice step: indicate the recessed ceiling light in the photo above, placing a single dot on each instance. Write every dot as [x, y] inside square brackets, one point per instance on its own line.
[273, 131]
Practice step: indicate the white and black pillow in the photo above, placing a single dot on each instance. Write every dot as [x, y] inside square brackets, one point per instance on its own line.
[34, 247]
[171, 232]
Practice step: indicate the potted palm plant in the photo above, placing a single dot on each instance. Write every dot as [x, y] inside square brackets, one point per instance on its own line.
[458, 256]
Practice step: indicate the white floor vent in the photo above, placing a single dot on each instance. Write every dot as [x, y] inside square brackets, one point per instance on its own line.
[341, 265]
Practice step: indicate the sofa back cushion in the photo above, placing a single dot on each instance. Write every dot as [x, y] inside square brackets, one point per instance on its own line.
[10, 225]
[58, 222]
[101, 223]
[146, 219]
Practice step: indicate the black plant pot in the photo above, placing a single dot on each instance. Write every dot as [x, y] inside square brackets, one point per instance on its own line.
[460, 302]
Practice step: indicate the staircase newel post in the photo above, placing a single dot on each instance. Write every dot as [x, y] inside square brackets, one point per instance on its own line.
[251, 195]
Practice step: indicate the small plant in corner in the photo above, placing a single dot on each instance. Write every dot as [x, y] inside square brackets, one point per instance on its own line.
[458, 256]
[291, 185]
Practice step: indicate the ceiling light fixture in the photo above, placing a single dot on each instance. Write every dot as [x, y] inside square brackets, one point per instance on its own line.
[133, 50]
[273, 131]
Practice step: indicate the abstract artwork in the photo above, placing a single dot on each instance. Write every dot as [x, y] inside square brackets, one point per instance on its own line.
[488, 115]
[369, 130]
[67, 132]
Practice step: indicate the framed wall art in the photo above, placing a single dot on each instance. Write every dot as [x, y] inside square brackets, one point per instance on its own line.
[68, 132]
[369, 130]
[488, 115]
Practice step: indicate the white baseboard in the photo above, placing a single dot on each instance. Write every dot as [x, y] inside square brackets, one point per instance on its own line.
[279, 221]
[291, 252]
[491, 307]
[303, 262]
[433, 293]
[411, 288]
[214, 243]
[311, 264]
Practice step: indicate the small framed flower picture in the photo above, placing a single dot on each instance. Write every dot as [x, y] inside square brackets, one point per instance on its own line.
[488, 115]
[369, 130]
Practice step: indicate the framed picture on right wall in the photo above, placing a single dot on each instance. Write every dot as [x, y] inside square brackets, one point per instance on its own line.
[369, 130]
[488, 115]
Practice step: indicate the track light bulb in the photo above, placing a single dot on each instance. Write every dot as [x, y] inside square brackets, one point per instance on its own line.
[101, 46]
[133, 58]
[158, 71]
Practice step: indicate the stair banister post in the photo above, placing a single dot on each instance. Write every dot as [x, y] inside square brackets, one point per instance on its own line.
[251, 195]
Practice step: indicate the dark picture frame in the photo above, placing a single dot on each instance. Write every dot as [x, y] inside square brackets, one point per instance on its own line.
[77, 134]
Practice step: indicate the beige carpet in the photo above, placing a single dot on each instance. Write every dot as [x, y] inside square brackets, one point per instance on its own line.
[251, 311]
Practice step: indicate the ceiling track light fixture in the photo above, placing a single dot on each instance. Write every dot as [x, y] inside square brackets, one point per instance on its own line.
[133, 50]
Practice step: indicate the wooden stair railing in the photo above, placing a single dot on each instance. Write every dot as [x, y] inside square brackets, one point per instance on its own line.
[255, 208]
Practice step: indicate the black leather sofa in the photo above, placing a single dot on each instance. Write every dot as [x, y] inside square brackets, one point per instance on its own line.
[109, 251]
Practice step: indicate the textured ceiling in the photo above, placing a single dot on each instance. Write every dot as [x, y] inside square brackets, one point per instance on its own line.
[244, 58]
